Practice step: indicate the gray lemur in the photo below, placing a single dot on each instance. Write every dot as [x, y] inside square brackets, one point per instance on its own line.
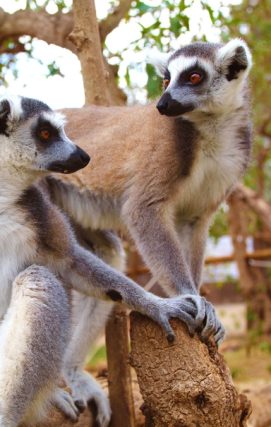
[48, 277]
[162, 176]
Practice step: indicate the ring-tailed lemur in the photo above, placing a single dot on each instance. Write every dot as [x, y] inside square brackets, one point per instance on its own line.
[39, 253]
[162, 177]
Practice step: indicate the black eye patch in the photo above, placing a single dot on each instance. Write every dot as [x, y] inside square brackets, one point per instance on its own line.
[184, 78]
[45, 132]
[167, 75]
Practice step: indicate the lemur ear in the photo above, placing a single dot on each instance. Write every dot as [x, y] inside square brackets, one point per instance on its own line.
[159, 60]
[5, 111]
[235, 58]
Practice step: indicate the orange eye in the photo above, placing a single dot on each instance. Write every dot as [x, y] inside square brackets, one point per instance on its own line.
[166, 83]
[195, 78]
[45, 134]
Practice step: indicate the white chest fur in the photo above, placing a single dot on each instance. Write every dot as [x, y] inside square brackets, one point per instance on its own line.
[17, 246]
[218, 165]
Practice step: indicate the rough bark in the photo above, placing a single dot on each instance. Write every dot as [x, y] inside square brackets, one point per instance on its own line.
[119, 373]
[85, 36]
[185, 384]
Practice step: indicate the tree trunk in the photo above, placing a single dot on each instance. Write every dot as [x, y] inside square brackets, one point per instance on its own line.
[85, 36]
[254, 281]
[185, 384]
[119, 373]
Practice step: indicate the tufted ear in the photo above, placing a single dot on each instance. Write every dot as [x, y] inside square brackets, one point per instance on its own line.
[159, 60]
[235, 58]
[5, 112]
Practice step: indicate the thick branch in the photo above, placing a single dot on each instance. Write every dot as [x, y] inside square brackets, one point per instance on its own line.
[184, 384]
[54, 28]
[40, 24]
[255, 202]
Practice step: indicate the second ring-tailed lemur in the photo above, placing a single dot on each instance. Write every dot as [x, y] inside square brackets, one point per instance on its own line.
[45, 271]
[162, 176]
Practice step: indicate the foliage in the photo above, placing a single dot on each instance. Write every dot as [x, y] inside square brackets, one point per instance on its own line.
[161, 24]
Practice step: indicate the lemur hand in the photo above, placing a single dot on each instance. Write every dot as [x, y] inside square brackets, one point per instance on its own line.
[198, 314]
[206, 319]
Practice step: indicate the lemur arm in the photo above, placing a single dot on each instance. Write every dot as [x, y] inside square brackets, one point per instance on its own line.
[88, 274]
[156, 237]
[158, 241]
[193, 236]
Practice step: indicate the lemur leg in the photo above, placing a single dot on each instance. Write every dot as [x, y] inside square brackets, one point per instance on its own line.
[33, 337]
[89, 318]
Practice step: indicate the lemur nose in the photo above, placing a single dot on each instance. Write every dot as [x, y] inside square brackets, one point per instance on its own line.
[84, 157]
[162, 106]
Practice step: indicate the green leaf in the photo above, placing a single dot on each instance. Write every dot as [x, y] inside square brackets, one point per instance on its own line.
[175, 25]
[154, 82]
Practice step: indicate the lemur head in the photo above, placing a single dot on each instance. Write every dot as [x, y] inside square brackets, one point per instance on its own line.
[203, 77]
[32, 138]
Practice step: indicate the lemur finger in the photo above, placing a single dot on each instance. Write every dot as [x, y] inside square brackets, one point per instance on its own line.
[220, 335]
[199, 303]
[103, 413]
[64, 402]
[211, 322]
[164, 323]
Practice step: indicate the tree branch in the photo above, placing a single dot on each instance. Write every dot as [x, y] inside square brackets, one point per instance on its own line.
[113, 19]
[53, 28]
[56, 29]
[50, 28]
[255, 202]
[184, 384]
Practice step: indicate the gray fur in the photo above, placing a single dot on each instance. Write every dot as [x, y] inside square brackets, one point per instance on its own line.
[190, 163]
[34, 231]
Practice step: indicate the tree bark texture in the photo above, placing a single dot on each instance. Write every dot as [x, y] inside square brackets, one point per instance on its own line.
[86, 38]
[119, 372]
[184, 384]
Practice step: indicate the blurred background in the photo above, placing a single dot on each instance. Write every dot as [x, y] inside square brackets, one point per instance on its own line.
[37, 60]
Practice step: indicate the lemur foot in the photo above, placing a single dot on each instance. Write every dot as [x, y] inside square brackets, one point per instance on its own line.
[84, 390]
[198, 314]
[63, 401]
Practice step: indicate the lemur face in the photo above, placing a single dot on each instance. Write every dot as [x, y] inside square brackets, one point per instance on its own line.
[32, 137]
[205, 77]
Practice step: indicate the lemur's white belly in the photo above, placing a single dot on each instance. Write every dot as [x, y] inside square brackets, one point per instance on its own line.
[16, 250]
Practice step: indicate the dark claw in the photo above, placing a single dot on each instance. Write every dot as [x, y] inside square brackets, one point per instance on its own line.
[170, 338]
[80, 405]
[191, 334]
